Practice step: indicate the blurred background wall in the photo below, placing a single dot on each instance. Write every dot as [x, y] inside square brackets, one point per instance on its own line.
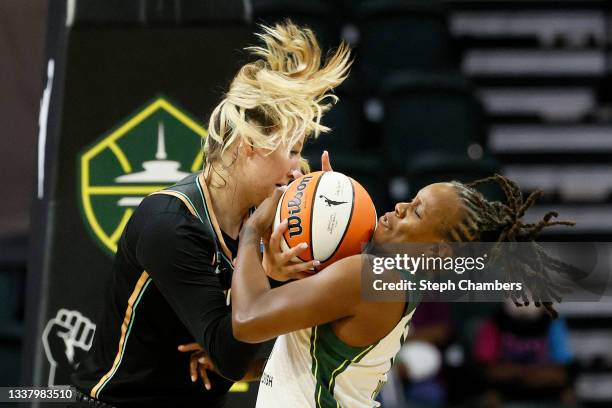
[22, 45]
[22, 51]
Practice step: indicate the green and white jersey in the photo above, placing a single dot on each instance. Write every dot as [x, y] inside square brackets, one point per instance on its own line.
[313, 368]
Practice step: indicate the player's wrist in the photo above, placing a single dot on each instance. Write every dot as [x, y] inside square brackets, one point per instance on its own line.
[251, 234]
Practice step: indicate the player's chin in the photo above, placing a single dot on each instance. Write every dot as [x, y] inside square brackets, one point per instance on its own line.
[380, 234]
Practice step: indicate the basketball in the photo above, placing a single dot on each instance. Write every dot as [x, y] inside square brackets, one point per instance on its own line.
[330, 212]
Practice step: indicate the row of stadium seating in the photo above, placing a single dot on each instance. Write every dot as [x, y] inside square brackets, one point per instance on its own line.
[540, 71]
[407, 115]
[405, 98]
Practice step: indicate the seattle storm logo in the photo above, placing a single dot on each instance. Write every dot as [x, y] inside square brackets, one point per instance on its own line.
[153, 148]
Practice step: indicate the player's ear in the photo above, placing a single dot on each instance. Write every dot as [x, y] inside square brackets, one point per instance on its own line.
[246, 149]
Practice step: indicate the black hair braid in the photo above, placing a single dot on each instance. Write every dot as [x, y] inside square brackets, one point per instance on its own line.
[495, 221]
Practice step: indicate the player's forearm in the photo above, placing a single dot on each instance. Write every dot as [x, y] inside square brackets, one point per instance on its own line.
[249, 283]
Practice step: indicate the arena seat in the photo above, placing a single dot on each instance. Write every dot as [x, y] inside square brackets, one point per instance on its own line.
[88, 13]
[398, 35]
[346, 123]
[351, 152]
[433, 167]
[364, 167]
[424, 112]
[438, 167]
[367, 169]
[316, 14]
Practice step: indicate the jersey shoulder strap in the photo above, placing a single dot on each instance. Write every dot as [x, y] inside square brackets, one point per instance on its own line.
[189, 192]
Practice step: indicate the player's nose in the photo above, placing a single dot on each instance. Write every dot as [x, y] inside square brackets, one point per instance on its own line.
[400, 209]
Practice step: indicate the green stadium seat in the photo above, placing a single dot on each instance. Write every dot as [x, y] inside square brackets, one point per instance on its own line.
[316, 14]
[350, 152]
[430, 112]
[403, 35]
[346, 123]
[435, 167]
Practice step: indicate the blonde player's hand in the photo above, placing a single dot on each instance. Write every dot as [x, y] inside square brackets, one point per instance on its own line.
[259, 224]
[199, 362]
[278, 264]
[325, 165]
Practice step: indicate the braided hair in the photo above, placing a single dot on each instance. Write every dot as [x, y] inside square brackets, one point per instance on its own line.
[496, 221]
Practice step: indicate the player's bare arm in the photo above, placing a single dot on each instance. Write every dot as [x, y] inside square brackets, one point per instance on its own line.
[261, 313]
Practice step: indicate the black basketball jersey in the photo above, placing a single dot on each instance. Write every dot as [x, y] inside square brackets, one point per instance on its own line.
[169, 286]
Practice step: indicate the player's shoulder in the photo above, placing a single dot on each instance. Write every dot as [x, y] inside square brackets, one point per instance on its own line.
[160, 203]
[168, 214]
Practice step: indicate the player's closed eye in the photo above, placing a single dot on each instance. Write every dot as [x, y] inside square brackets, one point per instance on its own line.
[417, 214]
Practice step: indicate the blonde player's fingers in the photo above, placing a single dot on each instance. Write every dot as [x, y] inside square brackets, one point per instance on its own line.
[297, 174]
[262, 219]
[204, 376]
[325, 163]
[206, 362]
[193, 368]
[184, 348]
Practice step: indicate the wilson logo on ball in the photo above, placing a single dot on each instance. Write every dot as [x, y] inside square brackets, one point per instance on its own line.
[330, 212]
[294, 208]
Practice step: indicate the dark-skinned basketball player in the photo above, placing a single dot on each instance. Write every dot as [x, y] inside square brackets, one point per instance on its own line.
[334, 349]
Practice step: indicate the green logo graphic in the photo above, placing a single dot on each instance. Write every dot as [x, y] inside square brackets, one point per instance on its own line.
[152, 149]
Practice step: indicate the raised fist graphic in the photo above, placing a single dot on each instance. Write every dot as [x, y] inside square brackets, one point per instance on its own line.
[66, 338]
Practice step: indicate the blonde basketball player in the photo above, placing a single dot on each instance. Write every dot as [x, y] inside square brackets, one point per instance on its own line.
[172, 272]
[334, 349]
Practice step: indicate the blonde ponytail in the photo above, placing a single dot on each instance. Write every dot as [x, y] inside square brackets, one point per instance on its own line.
[279, 97]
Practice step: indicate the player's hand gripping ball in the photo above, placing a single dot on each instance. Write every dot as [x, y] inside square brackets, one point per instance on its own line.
[330, 212]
